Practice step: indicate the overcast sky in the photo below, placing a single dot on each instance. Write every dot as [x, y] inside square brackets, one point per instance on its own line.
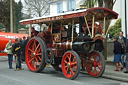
[18, 0]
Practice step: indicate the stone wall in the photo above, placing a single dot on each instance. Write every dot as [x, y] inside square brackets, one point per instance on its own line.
[110, 47]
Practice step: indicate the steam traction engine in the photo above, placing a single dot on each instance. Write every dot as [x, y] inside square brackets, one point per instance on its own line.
[61, 45]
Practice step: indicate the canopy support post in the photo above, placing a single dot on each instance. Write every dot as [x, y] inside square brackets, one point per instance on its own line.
[51, 27]
[104, 27]
[93, 21]
[72, 29]
[105, 40]
[30, 26]
[107, 30]
[87, 26]
[40, 26]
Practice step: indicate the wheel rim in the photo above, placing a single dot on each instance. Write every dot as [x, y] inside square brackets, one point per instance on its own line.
[94, 64]
[33, 54]
[69, 65]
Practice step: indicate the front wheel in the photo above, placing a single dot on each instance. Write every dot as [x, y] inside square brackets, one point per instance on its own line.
[95, 64]
[35, 54]
[71, 64]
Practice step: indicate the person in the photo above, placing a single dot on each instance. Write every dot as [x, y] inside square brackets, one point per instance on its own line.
[26, 41]
[25, 44]
[23, 49]
[85, 29]
[16, 50]
[33, 32]
[99, 46]
[122, 40]
[9, 52]
[117, 54]
[126, 62]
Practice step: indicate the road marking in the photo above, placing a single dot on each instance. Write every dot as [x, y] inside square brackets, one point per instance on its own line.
[42, 74]
[14, 79]
[72, 81]
[78, 82]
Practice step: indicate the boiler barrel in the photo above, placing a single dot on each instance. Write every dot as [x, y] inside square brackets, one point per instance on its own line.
[4, 38]
[76, 46]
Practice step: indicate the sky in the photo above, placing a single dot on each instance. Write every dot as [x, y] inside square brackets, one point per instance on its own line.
[18, 0]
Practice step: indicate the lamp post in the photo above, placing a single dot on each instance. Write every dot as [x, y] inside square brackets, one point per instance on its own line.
[11, 17]
[125, 18]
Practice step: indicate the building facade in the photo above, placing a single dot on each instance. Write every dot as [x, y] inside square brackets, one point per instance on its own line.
[60, 6]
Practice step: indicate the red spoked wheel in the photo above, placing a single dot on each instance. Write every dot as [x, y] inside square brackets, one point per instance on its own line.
[35, 54]
[95, 64]
[71, 64]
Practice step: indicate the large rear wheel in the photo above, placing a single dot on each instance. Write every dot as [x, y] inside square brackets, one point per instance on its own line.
[95, 64]
[71, 64]
[35, 55]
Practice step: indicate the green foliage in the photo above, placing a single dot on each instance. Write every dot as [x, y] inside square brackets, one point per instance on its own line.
[5, 14]
[90, 3]
[18, 14]
[115, 29]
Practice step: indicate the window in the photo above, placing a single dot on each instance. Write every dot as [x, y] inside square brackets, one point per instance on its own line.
[71, 4]
[83, 1]
[60, 7]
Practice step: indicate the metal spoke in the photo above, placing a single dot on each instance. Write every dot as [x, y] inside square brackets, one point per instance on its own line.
[35, 65]
[30, 50]
[94, 57]
[99, 64]
[33, 47]
[65, 61]
[39, 58]
[36, 59]
[39, 54]
[73, 63]
[37, 47]
[67, 70]
[75, 67]
[96, 70]
[72, 71]
[99, 67]
[31, 59]
[99, 60]
[35, 44]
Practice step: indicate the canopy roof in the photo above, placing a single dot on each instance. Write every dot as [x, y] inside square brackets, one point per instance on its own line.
[98, 12]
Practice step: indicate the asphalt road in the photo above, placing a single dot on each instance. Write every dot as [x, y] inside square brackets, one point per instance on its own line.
[47, 77]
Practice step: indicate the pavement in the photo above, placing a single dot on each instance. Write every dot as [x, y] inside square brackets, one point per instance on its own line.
[109, 71]
[111, 74]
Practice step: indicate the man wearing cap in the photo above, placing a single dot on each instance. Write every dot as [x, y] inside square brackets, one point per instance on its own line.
[122, 40]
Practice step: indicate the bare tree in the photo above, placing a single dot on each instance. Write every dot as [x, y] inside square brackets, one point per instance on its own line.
[38, 7]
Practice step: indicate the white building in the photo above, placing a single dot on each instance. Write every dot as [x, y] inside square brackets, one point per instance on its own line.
[59, 6]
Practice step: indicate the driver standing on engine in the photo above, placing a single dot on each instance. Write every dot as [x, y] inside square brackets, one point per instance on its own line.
[33, 32]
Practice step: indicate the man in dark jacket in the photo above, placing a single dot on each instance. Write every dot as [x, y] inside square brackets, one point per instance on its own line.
[122, 40]
[126, 62]
[117, 54]
[16, 50]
